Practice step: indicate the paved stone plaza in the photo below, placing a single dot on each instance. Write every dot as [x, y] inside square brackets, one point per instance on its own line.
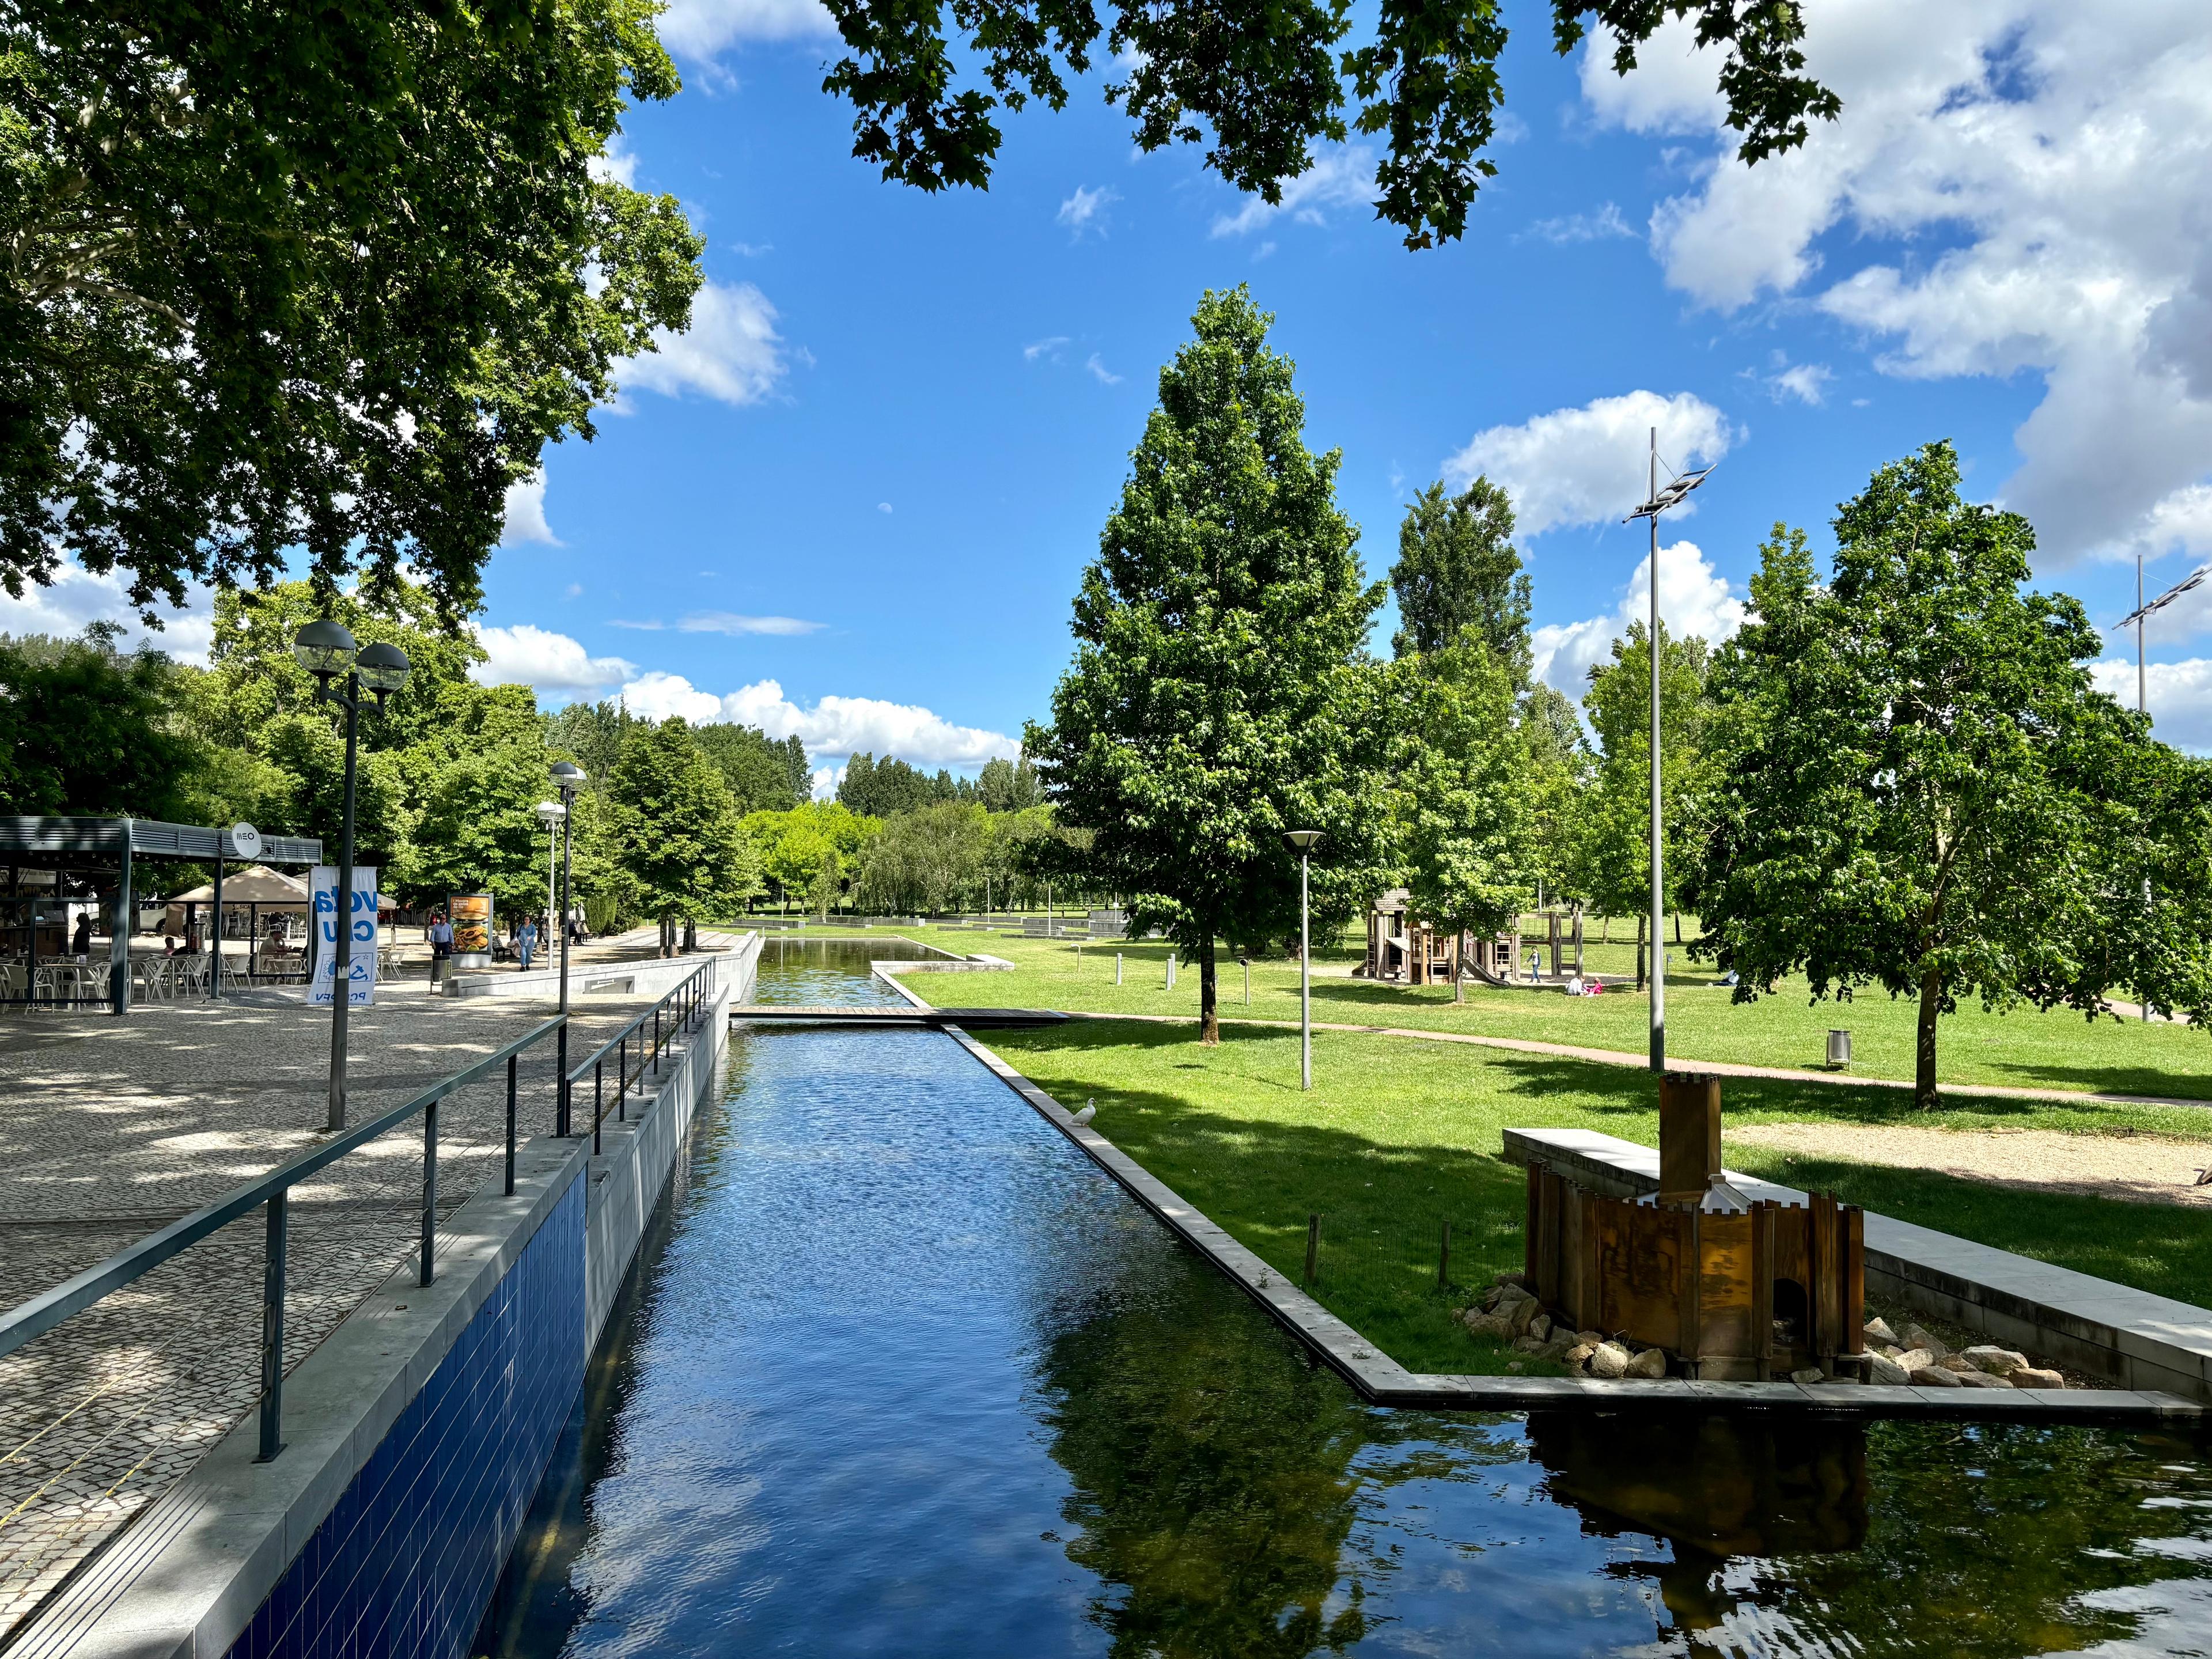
[111, 1128]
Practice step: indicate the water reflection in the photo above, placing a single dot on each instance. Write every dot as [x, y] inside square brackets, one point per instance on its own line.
[911, 1378]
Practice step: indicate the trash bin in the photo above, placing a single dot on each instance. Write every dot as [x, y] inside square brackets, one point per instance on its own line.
[1839, 1048]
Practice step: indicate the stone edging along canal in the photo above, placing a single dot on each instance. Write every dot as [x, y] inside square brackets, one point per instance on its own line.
[1383, 1380]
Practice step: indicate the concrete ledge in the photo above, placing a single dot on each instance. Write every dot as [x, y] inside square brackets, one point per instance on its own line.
[648, 977]
[1379, 1378]
[186, 1578]
[2123, 1335]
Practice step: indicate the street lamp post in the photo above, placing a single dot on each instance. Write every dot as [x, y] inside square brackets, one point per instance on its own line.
[567, 778]
[2140, 616]
[551, 814]
[326, 650]
[1301, 842]
[1657, 501]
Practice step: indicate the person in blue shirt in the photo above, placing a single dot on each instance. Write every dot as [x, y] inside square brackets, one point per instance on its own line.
[441, 944]
[526, 943]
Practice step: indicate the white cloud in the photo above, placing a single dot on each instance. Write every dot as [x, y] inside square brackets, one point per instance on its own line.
[1105, 375]
[726, 622]
[525, 513]
[838, 726]
[618, 163]
[2179, 694]
[1805, 382]
[1597, 226]
[883, 507]
[1344, 176]
[1589, 465]
[1694, 602]
[77, 598]
[1048, 347]
[657, 694]
[2016, 186]
[825, 782]
[527, 655]
[730, 352]
[700, 28]
[1086, 209]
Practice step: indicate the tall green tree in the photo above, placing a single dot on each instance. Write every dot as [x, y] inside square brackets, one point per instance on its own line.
[1220, 693]
[1004, 786]
[479, 832]
[1464, 796]
[883, 788]
[682, 841]
[312, 281]
[1613, 850]
[1457, 570]
[1921, 790]
[1268, 83]
[87, 729]
[925, 860]
[757, 771]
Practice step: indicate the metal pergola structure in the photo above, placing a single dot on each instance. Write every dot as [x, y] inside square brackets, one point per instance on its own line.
[90, 860]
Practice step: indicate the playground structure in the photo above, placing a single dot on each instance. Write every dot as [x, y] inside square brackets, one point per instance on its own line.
[1403, 948]
[1734, 1290]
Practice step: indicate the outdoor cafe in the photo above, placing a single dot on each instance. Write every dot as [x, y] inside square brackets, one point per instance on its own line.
[71, 881]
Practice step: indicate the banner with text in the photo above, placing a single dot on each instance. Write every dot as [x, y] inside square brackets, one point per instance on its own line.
[361, 968]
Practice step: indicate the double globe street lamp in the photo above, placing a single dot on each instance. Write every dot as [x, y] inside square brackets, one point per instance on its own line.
[327, 651]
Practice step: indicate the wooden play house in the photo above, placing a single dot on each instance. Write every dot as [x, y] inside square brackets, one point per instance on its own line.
[1735, 1290]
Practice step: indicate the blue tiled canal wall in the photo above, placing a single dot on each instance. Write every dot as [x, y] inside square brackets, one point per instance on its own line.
[406, 1560]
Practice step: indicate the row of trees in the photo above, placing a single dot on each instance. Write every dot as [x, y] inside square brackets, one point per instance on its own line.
[1899, 776]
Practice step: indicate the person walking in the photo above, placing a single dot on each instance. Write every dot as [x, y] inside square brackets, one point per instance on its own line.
[526, 943]
[440, 935]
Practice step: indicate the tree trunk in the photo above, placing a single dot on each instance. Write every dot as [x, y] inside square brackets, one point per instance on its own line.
[1209, 1003]
[1606, 938]
[1678, 927]
[1923, 1056]
[1639, 953]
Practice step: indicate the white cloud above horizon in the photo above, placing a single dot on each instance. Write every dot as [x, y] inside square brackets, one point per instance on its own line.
[1085, 212]
[76, 599]
[1340, 177]
[2178, 693]
[701, 29]
[526, 654]
[2050, 160]
[1695, 602]
[1602, 225]
[1589, 465]
[832, 729]
[726, 622]
[731, 353]
[525, 513]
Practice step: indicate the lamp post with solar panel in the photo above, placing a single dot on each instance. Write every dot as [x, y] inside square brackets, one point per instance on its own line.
[1301, 842]
[1655, 502]
[2139, 616]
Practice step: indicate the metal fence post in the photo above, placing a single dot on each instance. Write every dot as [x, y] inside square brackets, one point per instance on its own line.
[656, 1039]
[429, 1190]
[561, 1080]
[272, 1330]
[511, 1059]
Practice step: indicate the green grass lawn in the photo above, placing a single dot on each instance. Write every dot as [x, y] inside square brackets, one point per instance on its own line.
[1399, 1136]
[2023, 1048]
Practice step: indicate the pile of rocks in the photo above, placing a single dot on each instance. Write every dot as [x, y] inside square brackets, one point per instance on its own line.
[1510, 1312]
[1919, 1357]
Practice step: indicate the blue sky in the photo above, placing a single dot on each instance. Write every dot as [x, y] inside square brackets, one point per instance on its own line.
[855, 501]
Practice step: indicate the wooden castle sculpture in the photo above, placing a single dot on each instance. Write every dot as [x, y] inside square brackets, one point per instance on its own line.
[1735, 1290]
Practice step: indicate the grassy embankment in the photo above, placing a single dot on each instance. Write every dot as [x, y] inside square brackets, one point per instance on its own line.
[1400, 1136]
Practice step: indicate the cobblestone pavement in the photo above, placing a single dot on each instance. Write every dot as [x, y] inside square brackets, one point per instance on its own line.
[110, 1128]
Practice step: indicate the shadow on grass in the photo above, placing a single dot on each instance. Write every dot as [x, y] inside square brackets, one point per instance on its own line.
[2109, 1080]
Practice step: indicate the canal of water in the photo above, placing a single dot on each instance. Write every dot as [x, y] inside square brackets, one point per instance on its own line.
[900, 1372]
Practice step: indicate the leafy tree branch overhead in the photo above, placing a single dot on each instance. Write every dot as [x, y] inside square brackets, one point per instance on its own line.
[1260, 85]
[278, 278]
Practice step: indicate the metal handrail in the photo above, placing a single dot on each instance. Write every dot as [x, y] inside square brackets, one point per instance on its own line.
[42, 1313]
[688, 999]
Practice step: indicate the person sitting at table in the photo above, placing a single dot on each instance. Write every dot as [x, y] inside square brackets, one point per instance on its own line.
[525, 942]
[169, 945]
[80, 939]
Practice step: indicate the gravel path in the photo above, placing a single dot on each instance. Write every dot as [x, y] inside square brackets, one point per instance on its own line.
[2140, 1169]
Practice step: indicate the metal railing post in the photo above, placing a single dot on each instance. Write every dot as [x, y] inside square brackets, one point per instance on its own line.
[656, 1040]
[561, 1083]
[273, 1329]
[511, 1060]
[430, 1190]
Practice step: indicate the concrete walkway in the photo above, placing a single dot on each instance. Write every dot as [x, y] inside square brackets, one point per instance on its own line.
[111, 1127]
[1642, 1062]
